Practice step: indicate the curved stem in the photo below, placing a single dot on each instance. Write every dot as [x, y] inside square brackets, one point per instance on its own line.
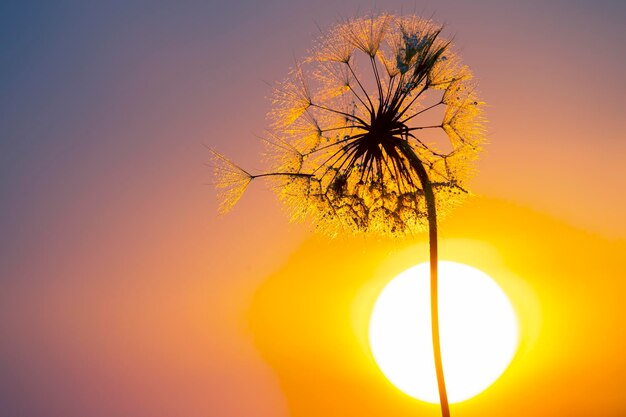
[434, 298]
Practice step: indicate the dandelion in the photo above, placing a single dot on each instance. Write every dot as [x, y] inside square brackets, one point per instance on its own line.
[375, 131]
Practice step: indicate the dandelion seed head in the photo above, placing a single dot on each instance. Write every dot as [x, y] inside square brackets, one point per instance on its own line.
[347, 147]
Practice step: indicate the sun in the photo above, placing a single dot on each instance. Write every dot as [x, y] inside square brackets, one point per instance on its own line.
[478, 327]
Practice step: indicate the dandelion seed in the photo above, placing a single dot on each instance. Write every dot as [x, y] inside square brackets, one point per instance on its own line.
[231, 181]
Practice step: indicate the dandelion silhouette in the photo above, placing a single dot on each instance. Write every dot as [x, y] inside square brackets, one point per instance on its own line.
[352, 143]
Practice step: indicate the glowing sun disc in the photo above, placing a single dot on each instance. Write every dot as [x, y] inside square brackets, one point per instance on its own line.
[478, 327]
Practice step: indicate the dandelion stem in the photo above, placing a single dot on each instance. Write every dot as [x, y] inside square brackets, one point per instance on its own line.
[361, 85]
[396, 92]
[424, 127]
[347, 155]
[408, 106]
[352, 116]
[389, 90]
[339, 128]
[378, 84]
[338, 151]
[359, 98]
[434, 296]
[284, 174]
[339, 142]
[423, 145]
[421, 111]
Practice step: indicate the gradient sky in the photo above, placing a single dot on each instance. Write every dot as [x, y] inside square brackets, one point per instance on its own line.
[123, 293]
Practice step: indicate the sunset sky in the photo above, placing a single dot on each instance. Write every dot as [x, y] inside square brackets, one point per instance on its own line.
[123, 293]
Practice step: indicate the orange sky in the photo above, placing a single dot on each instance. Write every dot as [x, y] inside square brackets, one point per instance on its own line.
[123, 293]
[308, 319]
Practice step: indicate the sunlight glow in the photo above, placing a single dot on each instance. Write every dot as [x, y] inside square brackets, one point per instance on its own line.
[479, 332]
